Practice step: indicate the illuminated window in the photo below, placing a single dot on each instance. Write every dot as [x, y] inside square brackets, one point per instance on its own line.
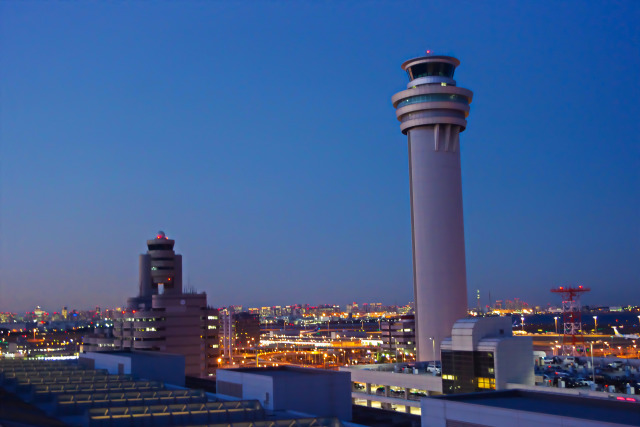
[434, 97]
[212, 327]
[449, 377]
[486, 383]
[425, 69]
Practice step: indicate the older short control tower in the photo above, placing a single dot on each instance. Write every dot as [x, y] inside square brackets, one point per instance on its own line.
[432, 113]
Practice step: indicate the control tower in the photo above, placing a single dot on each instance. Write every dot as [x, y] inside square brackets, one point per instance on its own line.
[432, 113]
[160, 271]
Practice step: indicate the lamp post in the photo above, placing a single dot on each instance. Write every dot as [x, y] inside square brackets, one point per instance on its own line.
[556, 319]
[593, 369]
[433, 342]
[595, 318]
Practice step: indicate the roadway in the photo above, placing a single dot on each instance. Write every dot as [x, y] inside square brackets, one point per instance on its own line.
[602, 344]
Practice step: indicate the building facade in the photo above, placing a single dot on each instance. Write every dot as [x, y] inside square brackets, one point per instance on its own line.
[524, 408]
[165, 318]
[398, 336]
[239, 332]
[247, 330]
[481, 354]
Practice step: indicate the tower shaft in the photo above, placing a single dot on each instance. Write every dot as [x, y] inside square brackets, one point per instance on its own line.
[440, 282]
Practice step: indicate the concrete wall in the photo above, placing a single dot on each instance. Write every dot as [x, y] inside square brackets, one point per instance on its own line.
[183, 328]
[114, 363]
[513, 362]
[440, 282]
[467, 333]
[441, 413]
[259, 387]
[168, 368]
[421, 382]
[144, 279]
[320, 393]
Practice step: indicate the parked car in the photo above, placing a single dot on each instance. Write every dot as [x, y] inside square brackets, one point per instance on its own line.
[434, 369]
[581, 382]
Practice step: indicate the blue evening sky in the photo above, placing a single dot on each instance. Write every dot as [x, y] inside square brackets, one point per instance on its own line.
[261, 136]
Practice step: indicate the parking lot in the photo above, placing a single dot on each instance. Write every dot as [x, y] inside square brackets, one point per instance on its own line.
[611, 375]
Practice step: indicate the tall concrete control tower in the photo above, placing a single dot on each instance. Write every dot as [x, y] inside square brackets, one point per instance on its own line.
[432, 113]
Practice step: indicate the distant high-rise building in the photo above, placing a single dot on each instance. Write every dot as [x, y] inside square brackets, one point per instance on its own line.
[398, 336]
[65, 313]
[432, 112]
[265, 312]
[247, 330]
[164, 318]
[38, 313]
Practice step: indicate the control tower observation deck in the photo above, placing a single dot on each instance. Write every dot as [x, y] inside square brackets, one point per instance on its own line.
[432, 113]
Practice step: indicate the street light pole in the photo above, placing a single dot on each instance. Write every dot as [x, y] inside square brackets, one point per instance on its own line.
[593, 368]
[596, 320]
[556, 319]
[433, 342]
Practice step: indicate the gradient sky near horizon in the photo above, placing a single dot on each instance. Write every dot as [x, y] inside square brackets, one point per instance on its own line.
[261, 136]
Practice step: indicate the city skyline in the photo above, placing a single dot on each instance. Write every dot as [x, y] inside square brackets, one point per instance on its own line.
[263, 141]
[511, 304]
